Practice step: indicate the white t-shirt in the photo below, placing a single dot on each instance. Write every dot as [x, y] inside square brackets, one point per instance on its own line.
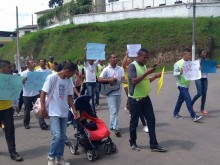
[91, 71]
[44, 70]
[117, 72]
[58, 104]
[26, 92]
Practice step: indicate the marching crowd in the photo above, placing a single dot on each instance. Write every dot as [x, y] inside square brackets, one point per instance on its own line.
[68, 81]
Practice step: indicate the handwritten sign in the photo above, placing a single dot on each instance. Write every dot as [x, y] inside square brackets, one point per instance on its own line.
[133, 49]
[160, 82]
[208, 66]
[191, 70]
[95, 51]
[10, 87]
[35, 80]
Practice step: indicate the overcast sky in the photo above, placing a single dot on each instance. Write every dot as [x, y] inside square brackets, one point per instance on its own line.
[25, 10]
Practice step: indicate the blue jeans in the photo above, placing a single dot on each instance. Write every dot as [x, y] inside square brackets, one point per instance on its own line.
[202, 86]
[184, 96]
[58, 131]
[97, 91]
[142, 107]
[114, 102]
[90, 91]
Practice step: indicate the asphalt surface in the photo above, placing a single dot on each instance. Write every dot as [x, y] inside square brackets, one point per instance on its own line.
[188, 143]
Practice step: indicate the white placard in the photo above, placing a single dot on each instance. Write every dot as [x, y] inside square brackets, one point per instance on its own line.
[133, 49]
[191, 70]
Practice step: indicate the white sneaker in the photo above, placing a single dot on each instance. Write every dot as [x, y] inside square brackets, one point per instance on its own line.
[61, 161]
[145, 129]
[51, 160]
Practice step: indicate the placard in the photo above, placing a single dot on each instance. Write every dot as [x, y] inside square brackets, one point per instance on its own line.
[133, 49]
[10, 86]
[95, 51]
[191, 70]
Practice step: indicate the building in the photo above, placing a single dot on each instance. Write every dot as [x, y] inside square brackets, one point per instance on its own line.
[6, 36]
[27, 29]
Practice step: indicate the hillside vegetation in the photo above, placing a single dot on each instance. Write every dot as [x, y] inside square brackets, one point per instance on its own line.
[159, 35]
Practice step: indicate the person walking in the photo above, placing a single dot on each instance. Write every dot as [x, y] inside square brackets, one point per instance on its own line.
[60, 87]
[6, 116]
[201, 85]
[183, 87]
[112, 74]
[139, 99]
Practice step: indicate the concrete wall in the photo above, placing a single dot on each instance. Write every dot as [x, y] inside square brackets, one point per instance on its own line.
[141, 4]
[202, 10]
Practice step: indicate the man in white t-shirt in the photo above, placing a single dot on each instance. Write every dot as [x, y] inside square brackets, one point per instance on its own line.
[90, 70]
[43, 68]
[111, 74]
[60, 86]
[29, 96]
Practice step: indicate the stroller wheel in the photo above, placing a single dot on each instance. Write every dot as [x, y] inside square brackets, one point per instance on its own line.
[107, 148]
[95, 155]
[113, 148]
[90, 155]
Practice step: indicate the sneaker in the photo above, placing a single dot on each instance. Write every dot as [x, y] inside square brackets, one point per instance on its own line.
[97, 106]
[18, 115]
[112, 129]
[135, 147]
[125, 109]
[51, 160]
[44, 126]
[15, 156]
[118, 133]
[158, 148]
[61, 161]
[204, 112]
[27, 127]
[197, 118]
[145, 129]
[177, 116]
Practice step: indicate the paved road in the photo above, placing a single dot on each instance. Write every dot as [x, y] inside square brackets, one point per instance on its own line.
[188, 142]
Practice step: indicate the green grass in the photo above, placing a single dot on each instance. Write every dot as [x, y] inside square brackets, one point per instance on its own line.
[156, 34]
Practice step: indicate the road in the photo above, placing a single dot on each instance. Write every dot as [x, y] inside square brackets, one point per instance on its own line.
[187, 142]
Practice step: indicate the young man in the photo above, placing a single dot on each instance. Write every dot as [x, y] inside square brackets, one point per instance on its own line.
[139, 100]
[183, 86]
[6, 116]
[111, 74]
[60, 86]
[29, 97]
[90, 71]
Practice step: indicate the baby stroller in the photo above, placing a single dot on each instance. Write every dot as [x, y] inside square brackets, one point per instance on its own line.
[90, 135]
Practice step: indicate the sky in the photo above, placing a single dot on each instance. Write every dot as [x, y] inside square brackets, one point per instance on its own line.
[25, 10]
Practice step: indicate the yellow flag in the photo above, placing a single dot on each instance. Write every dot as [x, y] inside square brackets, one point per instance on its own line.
[160, 82]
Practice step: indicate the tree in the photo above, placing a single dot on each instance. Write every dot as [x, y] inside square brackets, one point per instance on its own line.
[54, 3]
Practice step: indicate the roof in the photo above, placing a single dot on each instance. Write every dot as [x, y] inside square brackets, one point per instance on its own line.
[43, 11]
[28, 27]
[8, 33]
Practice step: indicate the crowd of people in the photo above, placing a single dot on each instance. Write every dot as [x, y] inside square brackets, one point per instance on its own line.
[68, 81]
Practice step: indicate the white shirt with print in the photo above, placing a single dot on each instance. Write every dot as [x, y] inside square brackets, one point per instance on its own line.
[58, 104]
[91, 71]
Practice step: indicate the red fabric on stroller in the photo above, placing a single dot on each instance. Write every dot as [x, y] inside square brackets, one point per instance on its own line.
[101, 132]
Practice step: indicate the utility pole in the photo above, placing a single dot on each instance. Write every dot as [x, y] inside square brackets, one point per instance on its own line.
[194, 30]
[18, 52]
